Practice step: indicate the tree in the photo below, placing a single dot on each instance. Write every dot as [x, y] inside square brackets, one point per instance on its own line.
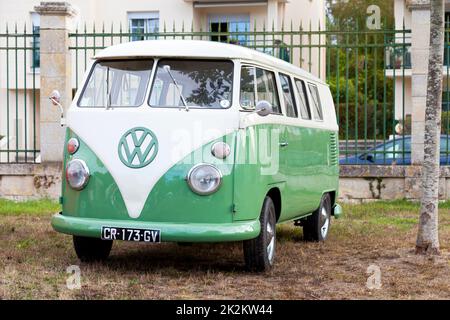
[349, 13]
[427, 237]
[363, 96]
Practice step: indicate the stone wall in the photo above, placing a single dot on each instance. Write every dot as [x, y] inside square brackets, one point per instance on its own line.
[30, 181]
[367, 183]
[357, 183]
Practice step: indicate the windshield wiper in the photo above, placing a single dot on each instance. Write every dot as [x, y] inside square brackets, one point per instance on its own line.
[167, 68]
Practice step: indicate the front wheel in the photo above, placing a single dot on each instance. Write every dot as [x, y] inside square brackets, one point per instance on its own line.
[259, 253]
[316, 226]
[92, 249]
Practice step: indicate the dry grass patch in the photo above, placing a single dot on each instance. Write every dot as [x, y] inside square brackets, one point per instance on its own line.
[34, 259]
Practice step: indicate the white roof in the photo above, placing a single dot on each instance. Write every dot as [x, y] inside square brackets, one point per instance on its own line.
[197, 49]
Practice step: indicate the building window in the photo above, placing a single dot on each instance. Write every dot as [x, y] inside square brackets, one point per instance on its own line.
[36, 41]
[143, 25]
[234, 28]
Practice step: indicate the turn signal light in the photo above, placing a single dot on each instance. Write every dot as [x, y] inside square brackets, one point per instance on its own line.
[72, 145]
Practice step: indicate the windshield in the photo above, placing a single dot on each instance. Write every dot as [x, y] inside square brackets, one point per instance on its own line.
[395, 149]
[192, 83]
[117, 84]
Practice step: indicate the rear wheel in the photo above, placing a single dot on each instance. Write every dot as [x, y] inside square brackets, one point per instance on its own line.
[185, 244]
[316, 226]
[259, 253]
[92, 249]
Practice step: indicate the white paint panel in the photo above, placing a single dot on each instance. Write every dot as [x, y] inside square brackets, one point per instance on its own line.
[198, 49]
[178, 132]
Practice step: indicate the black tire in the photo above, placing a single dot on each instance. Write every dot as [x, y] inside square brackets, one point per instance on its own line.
[92, 249]
[258, 256]
[185, 244]
[317, 226]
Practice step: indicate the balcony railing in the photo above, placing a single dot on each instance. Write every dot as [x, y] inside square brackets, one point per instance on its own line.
[398, 54]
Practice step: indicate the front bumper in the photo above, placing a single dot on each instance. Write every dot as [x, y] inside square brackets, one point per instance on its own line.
[177, 232]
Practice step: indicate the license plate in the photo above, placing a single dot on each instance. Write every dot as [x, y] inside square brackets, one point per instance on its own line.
[131, 234]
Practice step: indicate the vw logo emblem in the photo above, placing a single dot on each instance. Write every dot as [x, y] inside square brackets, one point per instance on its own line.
[138, 147]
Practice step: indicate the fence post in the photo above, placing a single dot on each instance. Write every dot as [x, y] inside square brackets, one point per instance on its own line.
[55, 73]
[420, 43]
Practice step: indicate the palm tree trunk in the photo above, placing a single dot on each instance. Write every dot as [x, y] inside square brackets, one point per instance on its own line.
[427, 237]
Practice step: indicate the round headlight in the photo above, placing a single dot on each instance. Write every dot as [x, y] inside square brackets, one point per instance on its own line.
[204, 179]
[220, 150]
[77, 174]
[72, 145]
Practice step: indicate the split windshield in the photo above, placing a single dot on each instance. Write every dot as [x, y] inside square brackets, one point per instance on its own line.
[117, 84]
[192, 83]
[178, 83]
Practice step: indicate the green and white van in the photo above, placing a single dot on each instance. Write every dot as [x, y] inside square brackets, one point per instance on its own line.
[196, 141]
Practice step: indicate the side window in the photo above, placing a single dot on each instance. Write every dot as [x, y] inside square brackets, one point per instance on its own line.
[266, 89]
[303, 103]
[288, 95]
[256, 85]
[248, 94]
[315, 101]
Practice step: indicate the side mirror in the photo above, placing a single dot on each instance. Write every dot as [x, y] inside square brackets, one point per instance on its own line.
[55, 98]
[263, 108]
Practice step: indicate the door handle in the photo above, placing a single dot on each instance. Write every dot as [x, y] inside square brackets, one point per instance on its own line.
[284, 144]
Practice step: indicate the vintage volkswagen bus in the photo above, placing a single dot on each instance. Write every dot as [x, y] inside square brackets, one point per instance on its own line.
[196, 141]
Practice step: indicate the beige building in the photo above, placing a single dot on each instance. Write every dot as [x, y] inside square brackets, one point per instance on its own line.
[200, 13]
[409, 70]
[19, 78]
[403, 10]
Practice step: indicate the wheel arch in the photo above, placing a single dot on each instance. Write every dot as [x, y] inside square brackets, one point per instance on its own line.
[332, 194]
[275, 195]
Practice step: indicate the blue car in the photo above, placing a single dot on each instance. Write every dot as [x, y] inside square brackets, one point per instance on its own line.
[396, 151]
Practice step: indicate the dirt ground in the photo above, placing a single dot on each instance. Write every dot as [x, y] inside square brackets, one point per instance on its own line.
[370, 238]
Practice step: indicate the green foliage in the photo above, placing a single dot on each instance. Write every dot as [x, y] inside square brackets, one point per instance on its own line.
[376, 122]
[364, 96]
[353, 13]
[445, 121]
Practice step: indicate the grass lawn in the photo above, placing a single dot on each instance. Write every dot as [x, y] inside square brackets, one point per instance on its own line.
[34, 258]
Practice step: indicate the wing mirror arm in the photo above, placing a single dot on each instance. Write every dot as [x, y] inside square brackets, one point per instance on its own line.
[55, 98]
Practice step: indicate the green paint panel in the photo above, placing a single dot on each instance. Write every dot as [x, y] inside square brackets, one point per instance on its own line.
[192, 232]
[304, 171]
[301, 171]
[101, 198]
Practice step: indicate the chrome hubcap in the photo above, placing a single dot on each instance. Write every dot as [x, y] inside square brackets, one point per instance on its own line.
[325, 222]
[271, 242]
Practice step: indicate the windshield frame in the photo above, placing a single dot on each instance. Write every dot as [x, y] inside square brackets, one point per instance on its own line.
[154, 75]
[91, 71]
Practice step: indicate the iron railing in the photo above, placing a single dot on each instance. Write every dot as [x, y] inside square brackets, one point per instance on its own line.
[19, 95]
[368, 72]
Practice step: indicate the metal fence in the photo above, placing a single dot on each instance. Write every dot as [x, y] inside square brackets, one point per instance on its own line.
[368, 72]
[19, 95]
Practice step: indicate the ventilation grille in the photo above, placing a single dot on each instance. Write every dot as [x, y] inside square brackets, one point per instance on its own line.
[333, 149]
